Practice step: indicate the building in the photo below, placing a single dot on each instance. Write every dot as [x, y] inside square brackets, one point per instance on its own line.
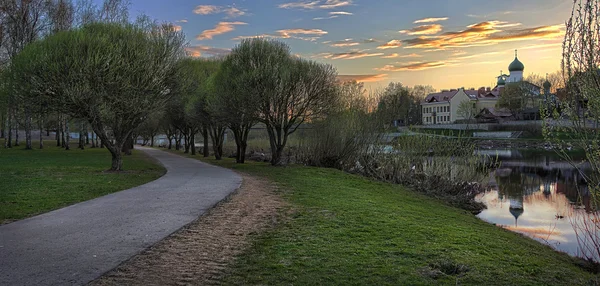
[443, 107]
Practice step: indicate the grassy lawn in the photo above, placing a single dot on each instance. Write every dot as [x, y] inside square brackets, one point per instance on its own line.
[37, 181]
[347, 230]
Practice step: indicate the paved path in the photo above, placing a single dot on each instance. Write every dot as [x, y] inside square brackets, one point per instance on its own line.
[76, 244]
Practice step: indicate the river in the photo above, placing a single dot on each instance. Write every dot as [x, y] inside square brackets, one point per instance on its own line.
[542, 196]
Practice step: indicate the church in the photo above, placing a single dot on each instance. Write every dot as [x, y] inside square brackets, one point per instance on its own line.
[443, 107]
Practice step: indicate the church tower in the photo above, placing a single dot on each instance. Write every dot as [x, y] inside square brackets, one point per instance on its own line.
[516, 69]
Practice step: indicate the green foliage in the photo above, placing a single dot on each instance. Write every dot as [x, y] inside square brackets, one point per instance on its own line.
[113, 75]
[38, 181]
[512, 98]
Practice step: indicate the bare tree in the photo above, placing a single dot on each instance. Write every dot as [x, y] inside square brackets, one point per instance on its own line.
[581, 59]
[25, 22]
[303, 94]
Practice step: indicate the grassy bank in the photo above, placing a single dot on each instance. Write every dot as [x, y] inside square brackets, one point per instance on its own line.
[37, 181]
[347, 230]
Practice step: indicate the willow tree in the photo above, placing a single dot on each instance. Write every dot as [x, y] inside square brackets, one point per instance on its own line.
[246, 73]
[304, 93]
[113, 75]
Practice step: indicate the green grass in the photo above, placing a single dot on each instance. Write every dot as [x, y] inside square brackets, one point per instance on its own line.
[347, 230]
[37, 181]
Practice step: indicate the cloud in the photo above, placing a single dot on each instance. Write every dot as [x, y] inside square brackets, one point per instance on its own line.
[483, 34]
[424, 30]
[340, 13]
[176, 28]
[198, 51]
[345, 43]
[333, 15]
[319, 4]
[220, 28]
[181, 21]
[325, 18]
[395, 55]
[430, 20]
[412, 66]
[362, 77]
[312, 34]
[231, 11]
[367, 41]
[391, 45]
[347, 55]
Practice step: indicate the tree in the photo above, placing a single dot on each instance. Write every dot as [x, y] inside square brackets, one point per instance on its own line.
[513, 98]
[238, 89]
[291, 90]
[466, 111]
[397, 102]
[581, 105]
[24, 22]
[113, 75]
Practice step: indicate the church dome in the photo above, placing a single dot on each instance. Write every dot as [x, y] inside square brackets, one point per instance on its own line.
[501, 81]
[516, 65]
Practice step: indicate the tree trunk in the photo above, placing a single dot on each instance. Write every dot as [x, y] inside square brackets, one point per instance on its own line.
[193, 142]
[17, 143]
[152, 141]
[87, 135]
[8, 138]
[28, 140]
[277, 139]
[67, 135]
[186, 143]
[217, 135]
[81, 136]
[240, 134]
[41, 132]
[58, 130]
[170, 141]
[93, 140]
[127, 146]
[206, 150]
[2, 124]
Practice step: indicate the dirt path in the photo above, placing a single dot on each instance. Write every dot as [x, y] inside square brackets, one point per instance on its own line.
[199, 253]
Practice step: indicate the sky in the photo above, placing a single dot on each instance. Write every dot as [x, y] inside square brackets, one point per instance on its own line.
[446, 44]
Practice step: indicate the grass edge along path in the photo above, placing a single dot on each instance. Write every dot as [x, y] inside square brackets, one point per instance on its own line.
[348, 230]
[37, 181]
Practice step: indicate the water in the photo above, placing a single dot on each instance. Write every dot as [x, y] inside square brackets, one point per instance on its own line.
[542, 196]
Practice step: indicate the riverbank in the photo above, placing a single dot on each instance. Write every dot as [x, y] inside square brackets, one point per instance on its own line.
[345, 229]
[37, 181]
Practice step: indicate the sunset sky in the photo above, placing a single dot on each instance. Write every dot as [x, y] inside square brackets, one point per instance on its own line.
[446, 44]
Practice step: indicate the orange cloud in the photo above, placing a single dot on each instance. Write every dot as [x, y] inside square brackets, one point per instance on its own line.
[362, 77]
[198, 51]
[483, 34]
[430, 20]
[231, 11]
[347, 55]
[221, 28]
[345, 43]
[424, 30]
[391, 45]
[412, 66]
[313, 34]
[395, 55]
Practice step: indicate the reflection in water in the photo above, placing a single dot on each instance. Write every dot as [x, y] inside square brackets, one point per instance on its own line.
[539, 196]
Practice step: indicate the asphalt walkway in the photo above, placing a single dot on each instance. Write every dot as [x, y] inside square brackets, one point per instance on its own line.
[76, 244]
